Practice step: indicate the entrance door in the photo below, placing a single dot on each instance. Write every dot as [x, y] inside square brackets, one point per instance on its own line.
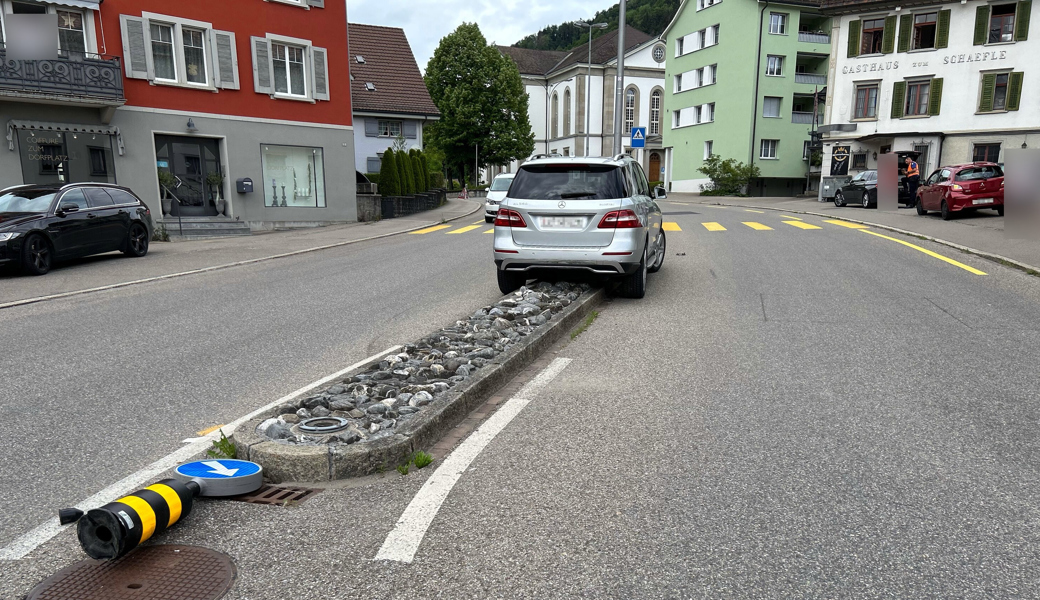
[190, 161]
[655, 167]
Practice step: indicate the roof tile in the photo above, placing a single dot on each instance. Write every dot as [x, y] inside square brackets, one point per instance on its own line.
[390, 66]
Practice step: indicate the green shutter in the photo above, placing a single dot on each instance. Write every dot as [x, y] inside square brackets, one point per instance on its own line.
[981, 25]
[854, 27]
[1022, 21]
[888, 39]
[898, 99]
[905, 23]
[1014, 90]
[935, 96]
[989, 82]
[942, 33]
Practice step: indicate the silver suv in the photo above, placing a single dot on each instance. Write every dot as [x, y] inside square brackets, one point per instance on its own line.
[597, 215]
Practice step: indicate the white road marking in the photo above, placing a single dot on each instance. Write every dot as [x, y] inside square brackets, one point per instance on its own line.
[43, 533]
[402, 543]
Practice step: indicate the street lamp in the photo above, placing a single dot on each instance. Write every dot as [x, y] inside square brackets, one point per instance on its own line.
[549, 90]
[588, 81]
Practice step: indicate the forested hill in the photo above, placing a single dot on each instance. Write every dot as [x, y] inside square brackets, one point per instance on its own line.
[650, 16]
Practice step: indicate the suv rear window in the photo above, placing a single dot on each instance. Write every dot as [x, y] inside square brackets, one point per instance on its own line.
[568, 182]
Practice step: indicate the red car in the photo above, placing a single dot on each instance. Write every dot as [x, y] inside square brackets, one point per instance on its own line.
[959, 188]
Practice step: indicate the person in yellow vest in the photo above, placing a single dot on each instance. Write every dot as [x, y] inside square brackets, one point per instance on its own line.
[913, 178]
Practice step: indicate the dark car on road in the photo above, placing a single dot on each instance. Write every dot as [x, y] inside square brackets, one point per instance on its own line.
[960, 188]
[42, 224]
[862, 190]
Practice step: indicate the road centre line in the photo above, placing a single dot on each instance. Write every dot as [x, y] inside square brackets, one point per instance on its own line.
[26, 543]
[403, 541]
[928, 252]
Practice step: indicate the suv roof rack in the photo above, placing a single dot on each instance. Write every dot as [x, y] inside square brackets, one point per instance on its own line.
[15, 187]
[622, 156]
[541, 155]
[88, 183]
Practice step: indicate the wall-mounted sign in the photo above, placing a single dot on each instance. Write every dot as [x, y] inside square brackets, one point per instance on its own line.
[163, 164]
[840, 161]
[976, 57]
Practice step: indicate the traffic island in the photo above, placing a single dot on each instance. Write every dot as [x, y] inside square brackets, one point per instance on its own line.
[377, 417]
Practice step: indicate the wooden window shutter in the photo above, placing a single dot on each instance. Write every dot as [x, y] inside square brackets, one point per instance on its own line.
[1014, 90]
[261, 65]
[942, 31]
[898, 98]
[1022, 21]
[854, 27]
[888, 39]
[410, 129]
[320, 72]
[981, 25]
[371, 128]
[989, 81]
[906, 23]
[225, 59]
[136, 42]
[935, 96]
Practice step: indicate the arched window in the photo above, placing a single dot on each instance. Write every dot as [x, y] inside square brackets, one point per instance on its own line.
[567, 112]
[555, 115]
[655, 112]
[630, 110]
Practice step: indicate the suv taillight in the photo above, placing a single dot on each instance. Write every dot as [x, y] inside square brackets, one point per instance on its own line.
[509, 218]
[620, 219]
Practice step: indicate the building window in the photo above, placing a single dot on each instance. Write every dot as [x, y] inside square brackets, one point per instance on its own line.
[707, 149]
[72, 39]
[775, 65]
[555, 115]
[769, 148]
[1000, 87]
[389, 128]
[289, 70]
[917, 98]
[1002, 23]
[163, 53]
[566, 150]
[714, 34]
[771, 107]
[778, 23]
[806, 153]
[924, 31]
[194, 56]
[98, 162]
[679, 47]
[630, 109]
[866, 101]
[294, 176]
[567, 112]
[859, 160]
[676, 118]
[873, 34]
[655, 112]
[678, 83]
[986, 153]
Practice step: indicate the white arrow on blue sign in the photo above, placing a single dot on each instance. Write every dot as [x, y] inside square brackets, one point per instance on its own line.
[223, 477]
[639, 137]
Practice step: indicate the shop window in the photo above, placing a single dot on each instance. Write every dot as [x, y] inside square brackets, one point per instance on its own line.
[294, 176]
[872, 36]
[52, 159]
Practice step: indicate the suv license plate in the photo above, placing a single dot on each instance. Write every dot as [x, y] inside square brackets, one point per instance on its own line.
[561, 222]
[982, 201]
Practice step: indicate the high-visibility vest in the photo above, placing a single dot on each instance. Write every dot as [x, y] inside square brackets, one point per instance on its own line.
[912, 170]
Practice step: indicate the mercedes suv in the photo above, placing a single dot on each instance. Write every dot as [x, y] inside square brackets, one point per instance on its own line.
[595, 215]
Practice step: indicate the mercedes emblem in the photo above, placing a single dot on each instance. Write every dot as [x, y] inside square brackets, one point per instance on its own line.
[562, 204]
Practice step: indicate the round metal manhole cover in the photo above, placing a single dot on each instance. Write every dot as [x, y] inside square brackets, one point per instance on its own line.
[150, 573]
[324, 424]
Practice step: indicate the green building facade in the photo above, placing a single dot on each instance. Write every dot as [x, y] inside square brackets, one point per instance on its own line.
[740, 80]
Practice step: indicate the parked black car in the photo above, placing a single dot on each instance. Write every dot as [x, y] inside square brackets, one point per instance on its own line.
[41, 224]
[862, 190]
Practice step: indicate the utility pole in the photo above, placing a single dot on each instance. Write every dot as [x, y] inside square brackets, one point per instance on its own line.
[476, 167]
[619, 100]
[588, 84]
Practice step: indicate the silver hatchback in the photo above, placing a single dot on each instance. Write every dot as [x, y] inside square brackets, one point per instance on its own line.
[596, 215]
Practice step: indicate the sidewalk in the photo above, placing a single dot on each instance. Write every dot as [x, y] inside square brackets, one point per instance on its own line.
[165, 259]
[982, 231]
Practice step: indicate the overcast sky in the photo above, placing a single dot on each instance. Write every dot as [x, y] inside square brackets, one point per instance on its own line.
[503, 22]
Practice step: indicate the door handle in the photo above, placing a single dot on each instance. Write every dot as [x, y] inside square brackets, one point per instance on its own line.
[91, 216]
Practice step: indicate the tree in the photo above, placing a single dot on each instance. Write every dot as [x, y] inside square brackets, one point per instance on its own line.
[728, 177]
[389, 179]
[481, 99]
[420, 177]
[400, 144]
[409, 172]
[426, 171]
[649, 16]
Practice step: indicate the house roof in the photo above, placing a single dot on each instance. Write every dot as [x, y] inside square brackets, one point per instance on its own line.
[391, 68]
[604, 48]
[533, 62]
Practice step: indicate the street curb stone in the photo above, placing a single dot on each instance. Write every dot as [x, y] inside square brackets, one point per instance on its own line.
[297, 463]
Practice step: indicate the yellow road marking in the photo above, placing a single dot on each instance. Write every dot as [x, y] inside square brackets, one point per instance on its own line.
[758, 226]
[208, 431]
[464, 229]
[929, 253]
[846, 224]
[492, 230]
[669, 226]
[480, 222]
[429, 229]
[790, 217]
[754, 211]
[802, 225]
[713, 227]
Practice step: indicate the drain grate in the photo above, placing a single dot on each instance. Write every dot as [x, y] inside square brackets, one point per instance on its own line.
[277, 495]
[149, 573]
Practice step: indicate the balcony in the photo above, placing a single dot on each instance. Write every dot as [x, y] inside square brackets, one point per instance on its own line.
[805, 118]
[810, 78]
[814, 38]
[85, 80]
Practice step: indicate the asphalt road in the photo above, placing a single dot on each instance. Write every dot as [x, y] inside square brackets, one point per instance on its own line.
[788, 413]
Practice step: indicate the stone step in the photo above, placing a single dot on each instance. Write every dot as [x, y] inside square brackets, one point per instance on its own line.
[204, 227]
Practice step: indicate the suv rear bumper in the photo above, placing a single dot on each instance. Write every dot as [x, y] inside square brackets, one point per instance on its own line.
[599, 268]
[621, 257]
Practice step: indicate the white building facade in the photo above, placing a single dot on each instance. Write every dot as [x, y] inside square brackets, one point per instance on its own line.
[956, 81]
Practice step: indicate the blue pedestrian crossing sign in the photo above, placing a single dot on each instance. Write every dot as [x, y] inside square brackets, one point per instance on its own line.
[223, 477]
[639, 137]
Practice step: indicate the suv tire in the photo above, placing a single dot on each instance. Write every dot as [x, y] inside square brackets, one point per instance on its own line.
[920, 207]
[661, 249]
[634, 286]
[136, 244]
[37, 255]
[488, 219]
[509, 281]
[945, 212]
[839, 199]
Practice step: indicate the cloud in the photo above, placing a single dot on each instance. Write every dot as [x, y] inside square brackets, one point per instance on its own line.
[503, 22]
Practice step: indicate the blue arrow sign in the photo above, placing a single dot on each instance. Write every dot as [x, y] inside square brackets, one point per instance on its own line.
[223, 468]
[639, 137]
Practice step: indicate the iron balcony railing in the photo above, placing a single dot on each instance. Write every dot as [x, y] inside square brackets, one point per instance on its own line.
[802, 117]
[814, 38]
[810, 78]
[88, 76]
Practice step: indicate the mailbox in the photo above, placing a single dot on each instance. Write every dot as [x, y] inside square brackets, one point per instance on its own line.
[244, 185]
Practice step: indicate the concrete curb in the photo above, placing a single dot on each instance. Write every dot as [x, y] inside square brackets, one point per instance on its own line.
[1030, 269]
[283, 462]
[240, 263]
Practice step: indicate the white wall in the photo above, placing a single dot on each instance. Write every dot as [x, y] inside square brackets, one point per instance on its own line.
[367, 147]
